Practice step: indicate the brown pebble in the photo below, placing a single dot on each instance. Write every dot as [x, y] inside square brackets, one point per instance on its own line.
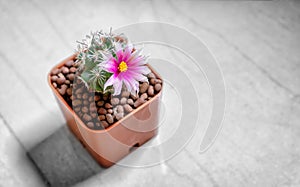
[151, 91]
[109, 118]
[92, 104]
[71, 76]
[61, 80]
[123, 101]
[127, 108]
[144, 96]
[138, 102]
[101, 117]
[104, 124]
[110, 111]
[108, 105]
[157, 87]
[75, 86]
[93, 107]
[115, 111]
[85, 96]
[65, 70]
[55, 71]
[76, 102]
[155, 81]
[114, 101]
[151, 75]
[134, 97]
[67, 82]
[120, 109]
[90, 125]
[158, 81]
[97, 124]
[79, 90]
[73, 69]
[87, 117]
[76, 109]
[105, 97]
[69, 63]
[102, 111]
[94, 115]
[119, 116]
[54, 78]
[80, 114]
[97, 97]
[84, 109]
[85, 102]
[79, 96]
[152, 81]
[72, 97]
[69, 91]
[143, 87]
[130, 101]
[60, 75]
[100, 103]
[125, 94]
[63, 89]
[54, 85]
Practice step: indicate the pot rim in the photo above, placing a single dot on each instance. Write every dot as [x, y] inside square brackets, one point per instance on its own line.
[78, 119]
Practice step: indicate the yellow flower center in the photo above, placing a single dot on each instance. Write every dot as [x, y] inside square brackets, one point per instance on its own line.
[122, 66]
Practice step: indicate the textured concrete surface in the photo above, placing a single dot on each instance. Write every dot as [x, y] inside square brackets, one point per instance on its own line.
[62, 160]
[255, 42]
[15, 168]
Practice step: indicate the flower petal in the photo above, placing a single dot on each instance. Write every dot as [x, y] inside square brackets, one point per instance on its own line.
[136, 76]
[140, 69]
[132, 85]
[111, 66]
[120, 56]
[117, 87]
[127, 84]
[141, 78]
[137, 61]
[127, 53]
[110, 81]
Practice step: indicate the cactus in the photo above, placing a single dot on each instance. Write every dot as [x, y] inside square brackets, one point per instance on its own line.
[92, 52]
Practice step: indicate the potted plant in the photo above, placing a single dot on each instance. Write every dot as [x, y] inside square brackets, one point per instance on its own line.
[109, 96]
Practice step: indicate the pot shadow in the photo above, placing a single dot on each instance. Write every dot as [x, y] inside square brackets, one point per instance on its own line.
[62, 160]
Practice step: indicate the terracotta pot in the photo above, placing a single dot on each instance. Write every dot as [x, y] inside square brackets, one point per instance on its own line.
[112, 144]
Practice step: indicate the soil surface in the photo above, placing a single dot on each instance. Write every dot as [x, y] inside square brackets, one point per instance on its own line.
[96, 110]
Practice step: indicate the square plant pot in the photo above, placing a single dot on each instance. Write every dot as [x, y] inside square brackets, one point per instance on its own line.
[108, 146]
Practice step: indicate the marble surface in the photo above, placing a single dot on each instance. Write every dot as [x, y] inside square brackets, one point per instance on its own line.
[256, 44]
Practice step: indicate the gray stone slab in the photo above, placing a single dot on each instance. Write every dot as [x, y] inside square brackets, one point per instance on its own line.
[62, 160]
[15, 168]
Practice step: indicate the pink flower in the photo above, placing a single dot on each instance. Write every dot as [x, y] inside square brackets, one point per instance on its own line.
[127, 67]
